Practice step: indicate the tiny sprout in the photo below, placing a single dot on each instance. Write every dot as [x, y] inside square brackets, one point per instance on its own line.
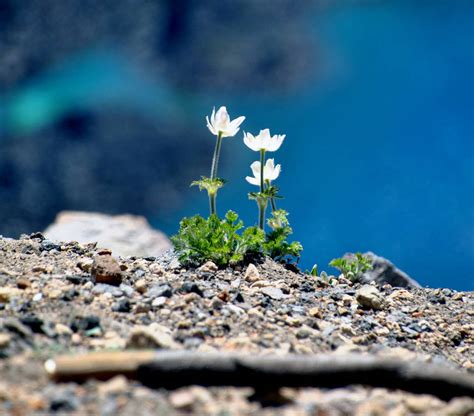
[352, 266]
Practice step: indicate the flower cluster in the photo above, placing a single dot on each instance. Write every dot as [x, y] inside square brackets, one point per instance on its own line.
[262, 143]
[220, 125]
[200, 239]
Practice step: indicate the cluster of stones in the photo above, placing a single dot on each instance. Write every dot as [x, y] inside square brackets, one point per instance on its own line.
[73, 298]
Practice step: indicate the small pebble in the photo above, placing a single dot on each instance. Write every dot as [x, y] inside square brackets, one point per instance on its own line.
[251, 274]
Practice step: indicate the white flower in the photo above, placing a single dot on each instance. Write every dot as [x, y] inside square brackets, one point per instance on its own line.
[264, 141]
[220, 123]
[270, 172]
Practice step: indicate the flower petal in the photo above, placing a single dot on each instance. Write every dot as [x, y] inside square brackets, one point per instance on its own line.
[270, 164]
[276, 142]
[233, 127]
[213, 115]
[276, 172]
[253, 181]
[230, 131]
[210, 126]
[237, 122]
[250, 141]
[255, 166]
[265, 139]
[264, 133]
[222, 112]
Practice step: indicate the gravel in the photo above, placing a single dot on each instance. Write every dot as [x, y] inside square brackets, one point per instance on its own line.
[51, 304]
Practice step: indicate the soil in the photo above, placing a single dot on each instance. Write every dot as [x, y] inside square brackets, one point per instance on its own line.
[70, 298]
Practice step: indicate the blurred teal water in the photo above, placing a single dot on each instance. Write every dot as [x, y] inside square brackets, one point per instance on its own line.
[90, 79]
[379, 156]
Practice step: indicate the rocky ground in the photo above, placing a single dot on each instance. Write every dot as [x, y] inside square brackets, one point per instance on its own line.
[72, 298]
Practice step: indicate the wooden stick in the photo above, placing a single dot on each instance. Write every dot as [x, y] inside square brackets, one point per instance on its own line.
[171, 369]
[100, 365]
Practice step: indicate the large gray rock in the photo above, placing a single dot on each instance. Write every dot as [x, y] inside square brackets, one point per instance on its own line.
[125, 235]
[383, 271]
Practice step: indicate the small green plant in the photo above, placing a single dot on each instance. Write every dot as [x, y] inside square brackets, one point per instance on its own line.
[324, 277]
[352, 266]
[200, 239]
[226, 241]
[276, 245]
[314, 271]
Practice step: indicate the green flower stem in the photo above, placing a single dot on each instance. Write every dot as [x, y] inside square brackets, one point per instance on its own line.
[272, 200]
[212, 203]
[215, 158]
[215, 163]
[262, 203]
[261, 215]
[262, 164]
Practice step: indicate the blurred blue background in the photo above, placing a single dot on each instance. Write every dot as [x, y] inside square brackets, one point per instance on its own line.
[103, 109]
